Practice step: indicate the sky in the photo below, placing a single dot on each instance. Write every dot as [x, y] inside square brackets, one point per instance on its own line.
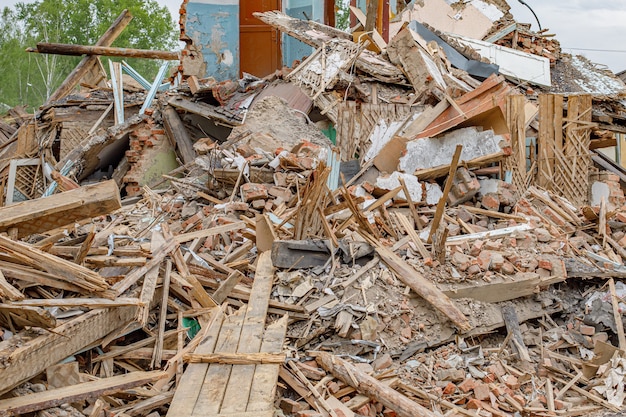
[592, 28]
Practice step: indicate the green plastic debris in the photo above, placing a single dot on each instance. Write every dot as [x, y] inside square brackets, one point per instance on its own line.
[193, 325]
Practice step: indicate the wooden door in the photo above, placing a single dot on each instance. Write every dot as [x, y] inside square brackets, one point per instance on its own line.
[259, 44]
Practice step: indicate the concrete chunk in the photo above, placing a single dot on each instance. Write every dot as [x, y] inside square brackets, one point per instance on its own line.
[433, 152]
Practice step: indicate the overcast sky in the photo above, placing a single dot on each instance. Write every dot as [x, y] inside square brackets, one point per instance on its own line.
[580, 25]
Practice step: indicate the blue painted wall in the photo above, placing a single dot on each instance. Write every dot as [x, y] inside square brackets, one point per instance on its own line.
[213, 25]
[300, 9]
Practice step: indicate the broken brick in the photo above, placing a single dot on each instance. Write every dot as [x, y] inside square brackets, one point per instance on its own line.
[251, 191]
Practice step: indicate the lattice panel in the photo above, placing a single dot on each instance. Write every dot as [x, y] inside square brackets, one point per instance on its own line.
[355, 123]
[516, 163]
[563, 153]
[71, 137]
[572, 170]
[29, 181]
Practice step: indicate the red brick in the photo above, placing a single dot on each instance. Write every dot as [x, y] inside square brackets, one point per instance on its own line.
[545, 264]
[467, 385]
[477, 247]
[364, 411]
[389, 413]
[491, 202]
[251, 191]
[511, 382]
[475, 404]
[449, 389]
[481, 391]
[587, 330]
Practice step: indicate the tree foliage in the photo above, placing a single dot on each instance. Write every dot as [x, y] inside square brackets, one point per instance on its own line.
[29, 78]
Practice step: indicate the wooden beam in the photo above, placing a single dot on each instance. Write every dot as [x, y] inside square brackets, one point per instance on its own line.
[74, 50]
[18, 406]
[422, 286]
[58, 210]
[33, 356]
[367, 385]
[88, 62]
[178, 135]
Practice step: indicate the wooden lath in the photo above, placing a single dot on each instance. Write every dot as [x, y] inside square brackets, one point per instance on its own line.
[356, 123]
[516, 163]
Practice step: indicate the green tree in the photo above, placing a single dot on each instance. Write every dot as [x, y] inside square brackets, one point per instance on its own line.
[82, 22]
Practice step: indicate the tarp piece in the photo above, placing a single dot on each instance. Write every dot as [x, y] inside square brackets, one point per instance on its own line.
[474, 68]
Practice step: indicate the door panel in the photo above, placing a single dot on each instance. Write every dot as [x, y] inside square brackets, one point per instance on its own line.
[259, 45]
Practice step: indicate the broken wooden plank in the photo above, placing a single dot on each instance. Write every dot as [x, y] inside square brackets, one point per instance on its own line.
[441, 205]
[76, 274]
[26, 358]
[229, 227]
[58, 210]
[18, 406]
[8, 291]
[76, 302]
[263, 389]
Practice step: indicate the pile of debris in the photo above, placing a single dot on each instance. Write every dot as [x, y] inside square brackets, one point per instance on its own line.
[368, 233]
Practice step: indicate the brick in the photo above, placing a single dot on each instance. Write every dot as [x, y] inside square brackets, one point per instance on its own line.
[497, 369]
[364, 411]
[511, 382]
[449, 389]
[475, 404]
[477, 247]
[382, 362]
[467, 385]
[473, 270]
[465, 185]
[508, 268]
[587, 330]
[251, 191]
[389, 413]
[258, 204]
[545, 264]
[461, 261]
[280, 192]
[481, 391]
[290, 406]
[311, 372]
[491, 202]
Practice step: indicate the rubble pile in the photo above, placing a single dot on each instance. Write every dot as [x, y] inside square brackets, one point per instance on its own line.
[410, 232]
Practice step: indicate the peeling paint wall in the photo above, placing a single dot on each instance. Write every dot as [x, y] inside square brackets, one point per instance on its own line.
[213, 28]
